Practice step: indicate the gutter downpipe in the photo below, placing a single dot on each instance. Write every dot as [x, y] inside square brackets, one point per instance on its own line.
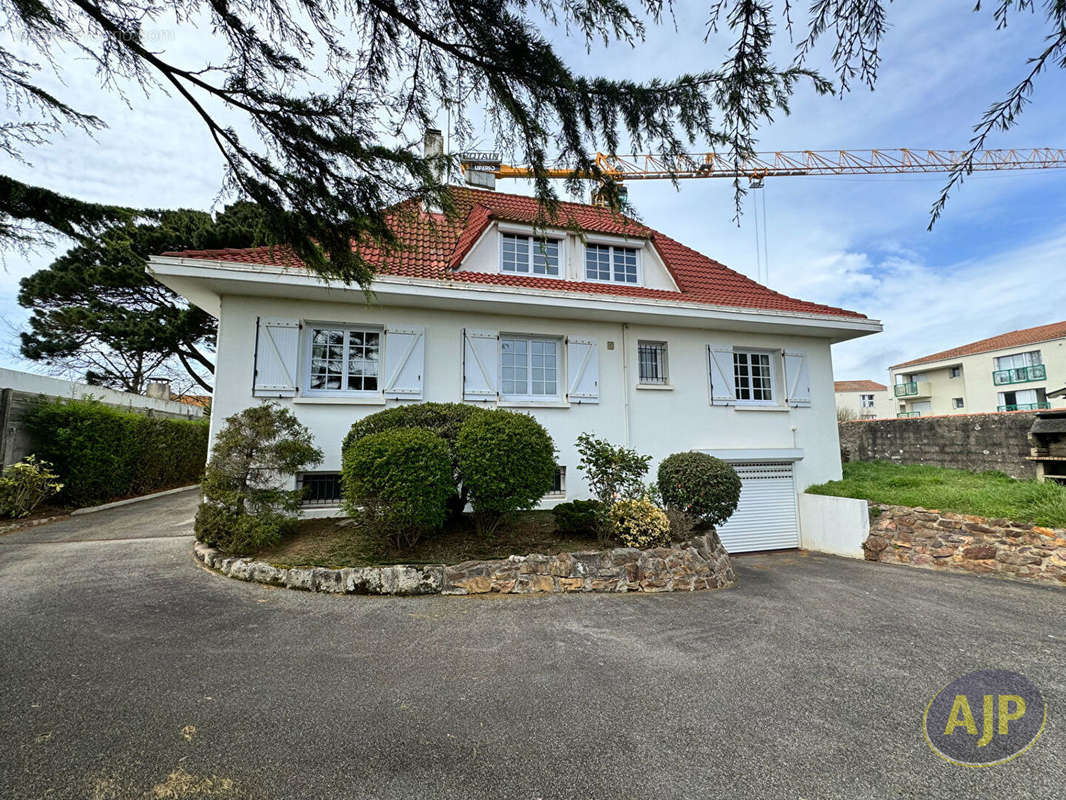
[625, 383]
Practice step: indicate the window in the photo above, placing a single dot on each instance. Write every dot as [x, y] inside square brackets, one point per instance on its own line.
[957, 402]
[321, 488]
[529, 255]
[605, 262]
[1019, 360]
[955, 372]
[559, 484]
[866, 400]
[529, 368]
[343, 359]
[753, 377]
[651, 359]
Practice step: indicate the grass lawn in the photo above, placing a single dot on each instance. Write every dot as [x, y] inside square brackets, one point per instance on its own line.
[335, 543]
[986, 494]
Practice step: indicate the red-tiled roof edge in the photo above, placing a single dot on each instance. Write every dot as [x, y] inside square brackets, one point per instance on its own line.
[858, 386]
[1002, 341]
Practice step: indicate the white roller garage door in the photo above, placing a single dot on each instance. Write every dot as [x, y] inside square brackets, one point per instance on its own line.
[765, 518]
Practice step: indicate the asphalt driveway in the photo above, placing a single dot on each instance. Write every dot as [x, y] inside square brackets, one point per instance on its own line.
[127, 670]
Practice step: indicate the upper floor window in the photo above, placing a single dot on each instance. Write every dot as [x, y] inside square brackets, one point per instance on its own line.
[753, 376]
[605, 262]
[651, 359]
[1019, 360]
[343, 359]
[529, 255]
[955, 372]
[866, 400]
[529, 368]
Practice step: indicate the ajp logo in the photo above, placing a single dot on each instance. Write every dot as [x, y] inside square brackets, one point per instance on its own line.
[984, 718]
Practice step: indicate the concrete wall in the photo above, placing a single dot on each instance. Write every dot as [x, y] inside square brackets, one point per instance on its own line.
[836, 525]
[653, 421]
[978, 442]
[974, 385]
[18, 390]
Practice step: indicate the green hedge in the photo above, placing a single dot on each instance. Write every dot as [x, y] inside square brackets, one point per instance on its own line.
[102, 453]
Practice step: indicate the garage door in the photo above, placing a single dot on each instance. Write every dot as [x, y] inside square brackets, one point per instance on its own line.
[765, 518]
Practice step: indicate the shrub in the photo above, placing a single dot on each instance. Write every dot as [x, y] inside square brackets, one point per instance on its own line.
[507, 461]
[398, 481]
[638, 522]
[256, 453]
[701, 485]
[578, 517]
[612, 472]
[26, 485]
[102, 453]
[443, 419]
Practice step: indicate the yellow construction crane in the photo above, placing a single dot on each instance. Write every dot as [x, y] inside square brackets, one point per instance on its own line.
[483, 168]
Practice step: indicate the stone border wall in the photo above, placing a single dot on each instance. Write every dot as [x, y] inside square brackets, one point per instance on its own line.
[701, 563]
[965, 543]
[977, 442]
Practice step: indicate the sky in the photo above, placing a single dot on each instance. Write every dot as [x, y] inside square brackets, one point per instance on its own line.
[994, 263]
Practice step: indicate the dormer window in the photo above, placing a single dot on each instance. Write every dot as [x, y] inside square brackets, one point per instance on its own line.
[529, 255]
[611, 264]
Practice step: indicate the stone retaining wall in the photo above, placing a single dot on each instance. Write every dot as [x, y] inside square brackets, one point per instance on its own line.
[701, 563]
[975, 442]
[961, 542]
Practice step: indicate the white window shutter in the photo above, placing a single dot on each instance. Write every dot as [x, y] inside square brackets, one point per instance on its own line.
[723, 386]
[480, 364]
[405, 357]
[797, 380]
[582, 370]
[277, 349]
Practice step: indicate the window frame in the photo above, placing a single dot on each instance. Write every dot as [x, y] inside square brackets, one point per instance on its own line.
[772, 358]
[664, 366]
[954, 372]
[531, 238]
[1033, 358]
[613, 247]
[958, 402]
[560, 369]
[307, 351]
[864, 396]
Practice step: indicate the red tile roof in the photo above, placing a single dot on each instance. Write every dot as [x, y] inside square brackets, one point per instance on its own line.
[858, 386]
[434, 245]
[1026, 336]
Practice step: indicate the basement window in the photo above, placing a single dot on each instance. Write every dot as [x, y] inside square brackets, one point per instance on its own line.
[321, 488]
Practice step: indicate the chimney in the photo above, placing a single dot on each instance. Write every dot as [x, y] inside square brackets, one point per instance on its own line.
[433, 147]
[159, 388]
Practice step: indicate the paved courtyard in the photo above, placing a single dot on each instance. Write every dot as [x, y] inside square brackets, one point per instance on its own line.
[129, 671]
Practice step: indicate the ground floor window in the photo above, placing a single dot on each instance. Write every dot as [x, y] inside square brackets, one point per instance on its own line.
[651, 358]
[1023, 400]
[321, 488]
[753, 376]
[529, 368]
[343, 359]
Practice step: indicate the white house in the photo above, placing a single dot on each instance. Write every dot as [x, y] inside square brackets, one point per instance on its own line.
[863, 399]
[595, 324]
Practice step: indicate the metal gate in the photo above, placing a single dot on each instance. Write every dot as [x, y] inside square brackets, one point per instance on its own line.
[766, 517]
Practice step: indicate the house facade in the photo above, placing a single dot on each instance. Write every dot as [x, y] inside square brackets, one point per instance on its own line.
[1014, 371]
[863, 400]
[597, 324]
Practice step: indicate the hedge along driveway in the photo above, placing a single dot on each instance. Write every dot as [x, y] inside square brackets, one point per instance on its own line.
[102, 453]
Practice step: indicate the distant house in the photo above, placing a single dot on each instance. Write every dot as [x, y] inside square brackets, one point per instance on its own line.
[595, 324]
[1016, 371]
[863, 399]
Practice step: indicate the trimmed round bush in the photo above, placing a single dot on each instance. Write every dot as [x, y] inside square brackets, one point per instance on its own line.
[638, 522]
[443, 419]
[399, 482]
[700, 485]
[507, 462]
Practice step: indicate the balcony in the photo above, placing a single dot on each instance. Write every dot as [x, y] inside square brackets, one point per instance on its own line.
[1003, 377]
[1024, 406]
[902, 414]
[913, 389]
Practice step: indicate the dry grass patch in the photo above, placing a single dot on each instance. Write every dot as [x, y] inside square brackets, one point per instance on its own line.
[341, 543]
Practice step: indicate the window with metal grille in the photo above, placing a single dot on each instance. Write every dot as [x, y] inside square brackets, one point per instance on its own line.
[321, 488]
[651, 357]
[559, 484]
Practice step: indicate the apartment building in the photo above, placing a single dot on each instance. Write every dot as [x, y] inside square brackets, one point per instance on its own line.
[863, 400]
[1016, 371]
